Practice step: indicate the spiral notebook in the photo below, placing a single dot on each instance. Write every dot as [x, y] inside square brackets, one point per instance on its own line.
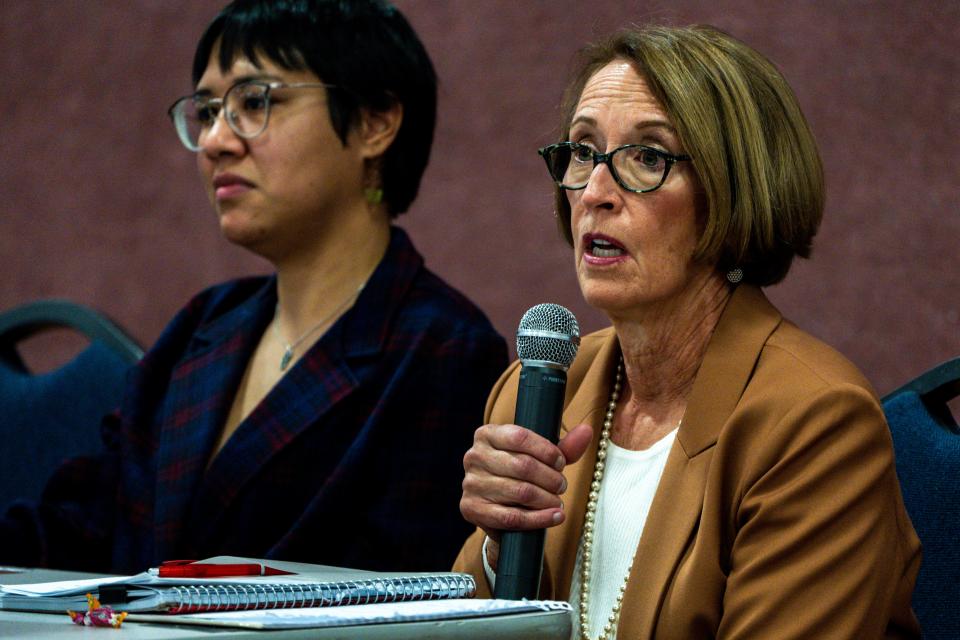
[307, 586]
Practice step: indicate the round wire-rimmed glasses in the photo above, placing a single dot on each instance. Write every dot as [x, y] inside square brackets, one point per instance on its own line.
[246, 106]
[635, 167]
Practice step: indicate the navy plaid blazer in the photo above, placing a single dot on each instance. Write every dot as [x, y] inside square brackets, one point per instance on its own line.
[353, 459]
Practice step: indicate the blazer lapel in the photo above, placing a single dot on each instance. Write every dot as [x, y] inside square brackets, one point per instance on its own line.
[588, 404]
[743, 329]
[199, 395]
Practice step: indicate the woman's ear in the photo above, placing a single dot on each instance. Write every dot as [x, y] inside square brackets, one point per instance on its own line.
[378, 129]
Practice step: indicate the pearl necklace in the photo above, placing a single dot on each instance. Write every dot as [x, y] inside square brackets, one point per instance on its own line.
[288, 347]
[590, 522]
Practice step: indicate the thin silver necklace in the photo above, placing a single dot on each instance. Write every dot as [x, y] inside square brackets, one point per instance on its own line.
[289, 347]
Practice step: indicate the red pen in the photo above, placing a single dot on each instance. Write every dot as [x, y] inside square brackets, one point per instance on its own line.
[191, 569]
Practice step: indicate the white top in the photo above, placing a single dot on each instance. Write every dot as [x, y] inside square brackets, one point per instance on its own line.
[630, 480]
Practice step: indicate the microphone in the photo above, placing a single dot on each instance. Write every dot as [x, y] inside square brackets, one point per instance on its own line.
[547, 342]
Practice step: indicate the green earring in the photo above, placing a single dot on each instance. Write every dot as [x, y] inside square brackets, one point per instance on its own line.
[373, 195]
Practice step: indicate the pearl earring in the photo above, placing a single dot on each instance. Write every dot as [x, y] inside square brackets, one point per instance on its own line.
[735, 275]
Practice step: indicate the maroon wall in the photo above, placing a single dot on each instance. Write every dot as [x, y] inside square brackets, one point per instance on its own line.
[99, 203]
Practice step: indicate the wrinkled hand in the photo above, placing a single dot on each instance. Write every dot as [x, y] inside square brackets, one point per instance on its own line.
[513, 479]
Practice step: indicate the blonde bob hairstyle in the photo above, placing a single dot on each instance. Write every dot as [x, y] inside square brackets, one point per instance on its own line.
[751, 146]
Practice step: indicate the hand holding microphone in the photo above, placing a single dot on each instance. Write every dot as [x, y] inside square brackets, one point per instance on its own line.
[513, 472]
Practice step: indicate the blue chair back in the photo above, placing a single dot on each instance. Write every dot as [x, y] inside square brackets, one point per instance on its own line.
[48, 417]
[926, 442]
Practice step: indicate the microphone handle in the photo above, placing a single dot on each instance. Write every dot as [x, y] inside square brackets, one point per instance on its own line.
[539, 407]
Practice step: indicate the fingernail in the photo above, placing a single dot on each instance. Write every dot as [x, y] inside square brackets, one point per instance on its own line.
[563, 486]
[560, 463]
[557, 517]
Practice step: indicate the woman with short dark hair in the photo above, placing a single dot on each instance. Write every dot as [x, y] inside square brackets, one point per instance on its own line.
[318, 414]
[724, 474]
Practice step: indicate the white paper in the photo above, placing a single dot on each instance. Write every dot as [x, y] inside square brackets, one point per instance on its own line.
[358, 614]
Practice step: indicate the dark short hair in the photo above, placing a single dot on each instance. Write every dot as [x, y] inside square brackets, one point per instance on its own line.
[365, 48]
[751, 145]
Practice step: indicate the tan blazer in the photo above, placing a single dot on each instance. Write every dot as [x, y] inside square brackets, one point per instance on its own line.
[778, 514]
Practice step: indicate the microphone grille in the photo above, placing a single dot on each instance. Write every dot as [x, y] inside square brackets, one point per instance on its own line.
[548, 333]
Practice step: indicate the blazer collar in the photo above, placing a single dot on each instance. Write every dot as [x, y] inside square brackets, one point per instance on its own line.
[588, 404]
[245, 321]
[743, 329]
[368, 324]
[734, 348]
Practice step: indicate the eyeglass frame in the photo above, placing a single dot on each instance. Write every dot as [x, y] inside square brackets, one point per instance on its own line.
[269, 85]
[607, 159]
